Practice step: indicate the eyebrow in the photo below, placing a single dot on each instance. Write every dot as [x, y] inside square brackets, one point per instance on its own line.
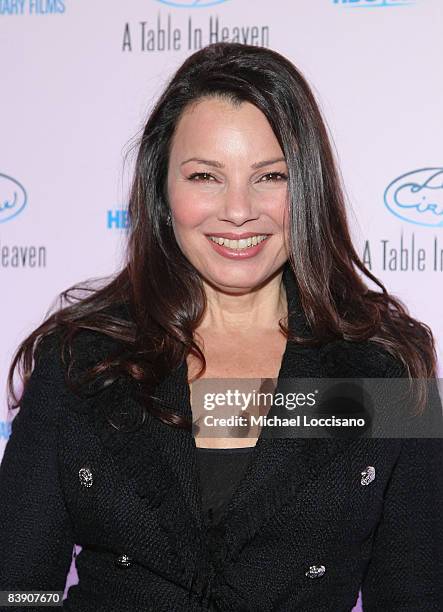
[217, 164]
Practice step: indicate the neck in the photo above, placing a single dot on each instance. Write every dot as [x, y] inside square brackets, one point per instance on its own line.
[261, 308]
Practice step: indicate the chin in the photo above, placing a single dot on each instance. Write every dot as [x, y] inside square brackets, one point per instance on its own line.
[234, 280]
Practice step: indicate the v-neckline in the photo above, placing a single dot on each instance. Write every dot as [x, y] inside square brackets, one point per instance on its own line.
[261, 441]
[249, 446]
[255, 449]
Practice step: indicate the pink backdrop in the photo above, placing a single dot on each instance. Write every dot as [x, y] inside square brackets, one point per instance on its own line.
[79, 78]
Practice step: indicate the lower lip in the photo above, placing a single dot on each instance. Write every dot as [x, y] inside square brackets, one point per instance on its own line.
[251, 251]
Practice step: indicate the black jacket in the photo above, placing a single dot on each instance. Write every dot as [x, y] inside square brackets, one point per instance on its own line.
[301, 533]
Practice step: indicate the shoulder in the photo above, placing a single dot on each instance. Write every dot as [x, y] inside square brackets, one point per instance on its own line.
[41, 400]
[50, 392]
[56, 357]
[366, 358]
[87, 344]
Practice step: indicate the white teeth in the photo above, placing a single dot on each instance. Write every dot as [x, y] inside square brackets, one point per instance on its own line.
[243, 243]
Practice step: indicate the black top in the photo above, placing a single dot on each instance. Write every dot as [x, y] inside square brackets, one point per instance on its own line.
[220, 471]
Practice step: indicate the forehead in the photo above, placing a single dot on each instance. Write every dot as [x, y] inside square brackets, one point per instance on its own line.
[215, 123]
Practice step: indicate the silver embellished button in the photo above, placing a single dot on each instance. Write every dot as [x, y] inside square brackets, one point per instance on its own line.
[123, 561]
[315, 571]
[368, 475]
[85, 476]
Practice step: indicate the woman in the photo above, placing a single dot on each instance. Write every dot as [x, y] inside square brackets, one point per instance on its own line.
[239, 257]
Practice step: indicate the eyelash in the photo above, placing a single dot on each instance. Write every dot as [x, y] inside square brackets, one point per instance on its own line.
[280, 174]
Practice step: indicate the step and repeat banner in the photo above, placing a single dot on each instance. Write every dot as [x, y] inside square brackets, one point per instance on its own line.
[79, 78]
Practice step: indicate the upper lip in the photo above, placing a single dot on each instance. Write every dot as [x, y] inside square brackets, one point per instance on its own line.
[232, 236]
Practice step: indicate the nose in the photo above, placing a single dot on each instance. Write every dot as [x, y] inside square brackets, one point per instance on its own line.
[238, 206]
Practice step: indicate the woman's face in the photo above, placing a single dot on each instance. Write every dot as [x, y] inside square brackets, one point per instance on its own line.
[227, 177]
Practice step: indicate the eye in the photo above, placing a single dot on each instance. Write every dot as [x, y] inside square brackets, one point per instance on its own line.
[276, 177]
[202, 176]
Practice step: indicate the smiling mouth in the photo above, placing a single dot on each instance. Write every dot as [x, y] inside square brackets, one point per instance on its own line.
[242, 243]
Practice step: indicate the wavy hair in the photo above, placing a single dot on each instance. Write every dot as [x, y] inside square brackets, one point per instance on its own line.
[159, 332]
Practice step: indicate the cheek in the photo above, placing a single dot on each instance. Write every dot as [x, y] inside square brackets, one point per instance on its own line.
[277, 208]
[189, 209]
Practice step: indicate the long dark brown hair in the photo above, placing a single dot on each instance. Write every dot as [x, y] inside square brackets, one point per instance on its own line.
[160, 294]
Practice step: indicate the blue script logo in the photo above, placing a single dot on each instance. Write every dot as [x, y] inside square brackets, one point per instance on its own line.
[191, 3]
[417, 197]
[13, 198]
[372, 3]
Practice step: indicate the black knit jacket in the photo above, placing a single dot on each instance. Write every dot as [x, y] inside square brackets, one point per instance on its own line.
[301, 532]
